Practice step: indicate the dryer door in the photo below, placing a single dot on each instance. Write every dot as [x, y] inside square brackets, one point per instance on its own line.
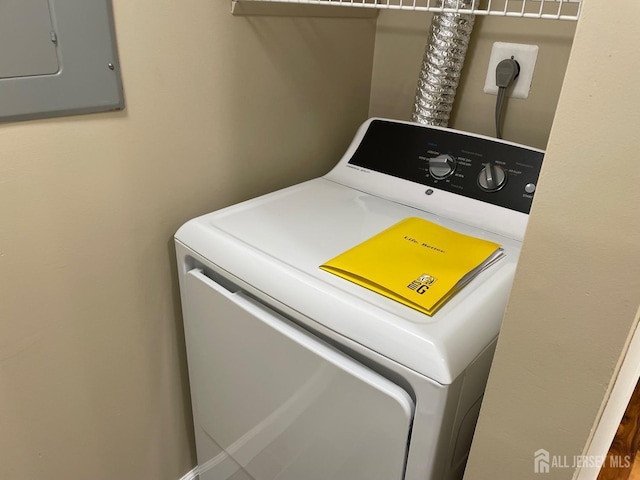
[270, 401]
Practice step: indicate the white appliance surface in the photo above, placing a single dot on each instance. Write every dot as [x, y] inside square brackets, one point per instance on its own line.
[296, 373]
[277, 242]
[318, 403]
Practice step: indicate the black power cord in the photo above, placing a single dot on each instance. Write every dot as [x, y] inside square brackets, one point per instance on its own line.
[506, 72]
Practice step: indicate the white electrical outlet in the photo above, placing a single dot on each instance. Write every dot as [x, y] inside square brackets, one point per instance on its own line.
[525, 55]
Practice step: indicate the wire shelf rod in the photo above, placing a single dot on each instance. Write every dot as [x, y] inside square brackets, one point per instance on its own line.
[541, 9]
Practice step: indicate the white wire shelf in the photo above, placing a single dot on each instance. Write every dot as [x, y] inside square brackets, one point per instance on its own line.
[544, 9]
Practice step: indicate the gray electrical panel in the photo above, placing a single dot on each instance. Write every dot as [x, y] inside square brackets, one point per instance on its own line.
[57, 57]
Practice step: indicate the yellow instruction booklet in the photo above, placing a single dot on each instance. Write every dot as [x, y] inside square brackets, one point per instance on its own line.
[416, 262]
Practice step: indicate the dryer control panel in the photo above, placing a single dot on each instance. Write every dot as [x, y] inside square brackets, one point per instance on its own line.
[482, 168]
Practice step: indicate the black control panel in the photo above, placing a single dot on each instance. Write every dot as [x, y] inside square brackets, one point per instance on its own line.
[479, 168]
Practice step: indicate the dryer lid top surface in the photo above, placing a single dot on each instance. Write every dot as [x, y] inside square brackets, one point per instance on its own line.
[277, 242]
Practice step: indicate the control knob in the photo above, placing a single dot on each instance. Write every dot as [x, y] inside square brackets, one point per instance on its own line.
[442, 166]
[492, 177]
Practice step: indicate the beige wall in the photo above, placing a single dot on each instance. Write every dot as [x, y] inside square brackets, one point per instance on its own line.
[577, 287]
[219, 108]
[400, 43]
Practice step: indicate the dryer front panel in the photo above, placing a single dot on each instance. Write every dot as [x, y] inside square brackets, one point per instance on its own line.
[272, 401]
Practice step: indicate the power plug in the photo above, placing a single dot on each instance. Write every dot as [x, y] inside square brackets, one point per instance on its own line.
[525, 55]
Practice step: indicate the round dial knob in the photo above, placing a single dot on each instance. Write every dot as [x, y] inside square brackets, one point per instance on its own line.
[442, 166]
[492, 177]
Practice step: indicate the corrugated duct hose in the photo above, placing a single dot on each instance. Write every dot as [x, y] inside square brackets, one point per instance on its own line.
[443, 60]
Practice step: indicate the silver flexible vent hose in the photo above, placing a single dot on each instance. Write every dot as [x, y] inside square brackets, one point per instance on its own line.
[443, 59]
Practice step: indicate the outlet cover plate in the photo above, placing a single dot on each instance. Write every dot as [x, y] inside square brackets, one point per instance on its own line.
[525, 55]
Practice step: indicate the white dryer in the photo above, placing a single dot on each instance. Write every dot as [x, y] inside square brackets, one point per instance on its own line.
[297, 374]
